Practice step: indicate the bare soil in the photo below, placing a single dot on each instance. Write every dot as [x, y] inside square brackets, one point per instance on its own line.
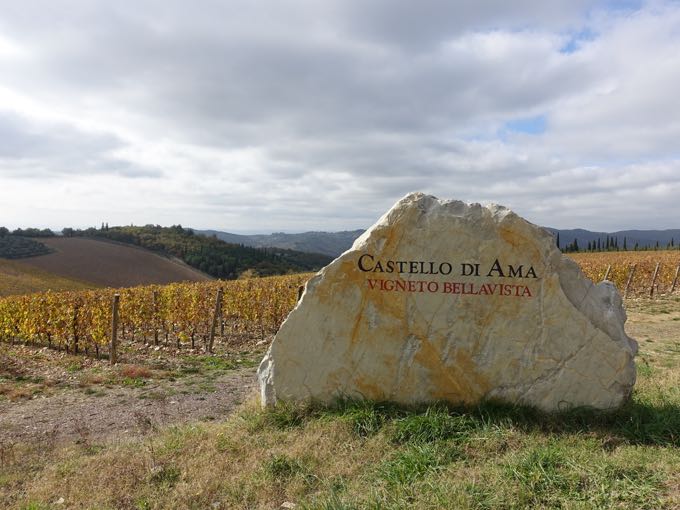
[655, 324]
[48, 396]
[110, 264]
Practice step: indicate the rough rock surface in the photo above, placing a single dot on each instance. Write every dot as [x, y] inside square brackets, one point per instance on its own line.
[443, 300]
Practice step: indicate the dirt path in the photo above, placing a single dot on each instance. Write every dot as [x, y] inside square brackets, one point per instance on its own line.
[52, 396]
[76, 415]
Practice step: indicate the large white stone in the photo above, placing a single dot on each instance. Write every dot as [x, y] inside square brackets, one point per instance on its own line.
[549, 338]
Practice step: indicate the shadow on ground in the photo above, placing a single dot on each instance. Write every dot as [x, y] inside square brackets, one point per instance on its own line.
[636, 423]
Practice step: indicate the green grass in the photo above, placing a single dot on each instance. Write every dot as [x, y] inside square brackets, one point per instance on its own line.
[216, 365]
[134, 382]
[374, 455]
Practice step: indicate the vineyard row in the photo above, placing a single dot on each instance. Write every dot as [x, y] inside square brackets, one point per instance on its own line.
[194, 314]
[182, 314]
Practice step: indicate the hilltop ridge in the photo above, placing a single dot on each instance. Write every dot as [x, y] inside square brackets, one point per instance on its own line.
[335, 243]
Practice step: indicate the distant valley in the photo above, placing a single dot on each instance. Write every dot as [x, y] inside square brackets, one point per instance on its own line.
[325, 243]
[335, 243]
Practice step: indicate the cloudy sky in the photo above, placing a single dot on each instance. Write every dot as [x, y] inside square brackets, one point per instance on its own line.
[294, 115]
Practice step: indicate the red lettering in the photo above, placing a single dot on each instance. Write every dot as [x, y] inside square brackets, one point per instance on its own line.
[471, 289]
[468, 289]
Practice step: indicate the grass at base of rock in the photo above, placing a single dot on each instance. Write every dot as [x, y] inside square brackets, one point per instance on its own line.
[369, 455]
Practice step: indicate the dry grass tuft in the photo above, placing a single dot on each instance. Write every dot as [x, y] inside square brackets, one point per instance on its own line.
[135, 372]
[87, 380]
[14, 392]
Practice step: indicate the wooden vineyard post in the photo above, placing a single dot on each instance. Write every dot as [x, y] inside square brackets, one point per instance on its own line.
[75, 330]
[675, 280]
[630, 279]
[113, 355]
[216, 315]
[155, 317]
[656, 272]
[606, 274]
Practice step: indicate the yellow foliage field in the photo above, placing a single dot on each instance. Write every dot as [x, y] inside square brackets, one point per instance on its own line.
[594, 265]
[183, 312]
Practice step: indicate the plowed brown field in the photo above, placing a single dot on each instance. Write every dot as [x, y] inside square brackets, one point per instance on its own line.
[110, 264]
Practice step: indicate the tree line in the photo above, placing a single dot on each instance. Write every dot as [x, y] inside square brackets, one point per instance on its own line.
[611, 243]
[28, 232]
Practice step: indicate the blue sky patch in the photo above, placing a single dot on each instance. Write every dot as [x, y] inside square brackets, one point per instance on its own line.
[576, 40]
[529, 125]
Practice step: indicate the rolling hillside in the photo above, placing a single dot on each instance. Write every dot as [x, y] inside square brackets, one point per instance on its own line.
[20, 278]
[18, 247]
[209, 254]
[104, 263]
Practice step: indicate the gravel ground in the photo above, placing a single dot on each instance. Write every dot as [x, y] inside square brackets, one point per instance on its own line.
[52, 396]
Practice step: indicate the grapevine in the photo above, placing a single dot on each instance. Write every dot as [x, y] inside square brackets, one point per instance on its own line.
[181, 313]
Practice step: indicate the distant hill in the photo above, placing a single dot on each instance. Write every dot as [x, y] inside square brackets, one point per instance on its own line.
[643, 238]
[210, 254]
[334, 243]
[331, 244]
[104, 263]
[17, 277]
[18, 247]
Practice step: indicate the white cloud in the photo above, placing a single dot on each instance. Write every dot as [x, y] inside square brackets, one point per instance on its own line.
[296, 115]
